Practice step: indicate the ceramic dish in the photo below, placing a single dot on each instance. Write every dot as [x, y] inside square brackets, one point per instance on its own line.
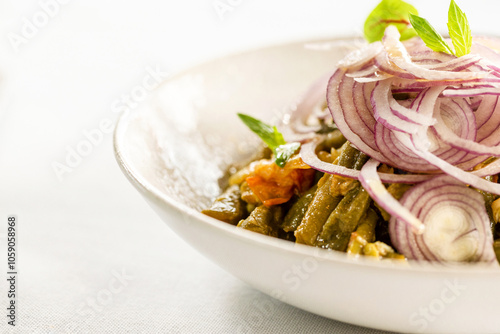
[175, 149]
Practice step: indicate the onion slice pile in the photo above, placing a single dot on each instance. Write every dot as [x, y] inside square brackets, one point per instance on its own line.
[434, 116]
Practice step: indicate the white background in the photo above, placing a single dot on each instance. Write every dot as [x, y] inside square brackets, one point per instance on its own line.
[80, 231]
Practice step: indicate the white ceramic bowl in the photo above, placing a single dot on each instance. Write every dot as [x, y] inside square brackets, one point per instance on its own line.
[176, 148]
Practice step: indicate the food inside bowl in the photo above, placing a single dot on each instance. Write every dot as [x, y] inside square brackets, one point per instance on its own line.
[298, 203]
[396, 156]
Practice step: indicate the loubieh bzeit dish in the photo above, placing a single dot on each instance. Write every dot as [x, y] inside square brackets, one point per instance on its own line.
[395, 156]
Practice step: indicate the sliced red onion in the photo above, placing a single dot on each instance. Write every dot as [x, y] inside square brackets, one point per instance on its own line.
[448, 168]
[422, 53]
[370, 180]
[485, 110]
[314, 98]
[411, 114]
[422, 69]
[356, 119]
[455, 219]
[475, 102]
[487, 47]
[398, 55]
[449, 123]
[455, 64]
[488, 130]
[398, 154]
[308, 155]
[361, 56]
[375, 77]
[409, 84]
[407, 90]
[348, 115]
[488, 125]
[468, 145]
[471, 91]
[458, 117]
[382, 109]
[368, 69]
[385, 65]
[488, 170]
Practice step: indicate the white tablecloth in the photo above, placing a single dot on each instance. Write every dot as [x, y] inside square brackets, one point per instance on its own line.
[92, 256]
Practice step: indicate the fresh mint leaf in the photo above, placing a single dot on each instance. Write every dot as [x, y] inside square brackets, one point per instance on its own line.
[273, 139]
[389, 12]
[285, 152]
[269, 134]
[429, 35]
[459, 29]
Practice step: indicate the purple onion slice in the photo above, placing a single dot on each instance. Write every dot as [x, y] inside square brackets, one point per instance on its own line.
[457, 227]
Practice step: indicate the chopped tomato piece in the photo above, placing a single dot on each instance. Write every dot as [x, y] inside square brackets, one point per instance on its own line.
[275, 185]
[269, 192]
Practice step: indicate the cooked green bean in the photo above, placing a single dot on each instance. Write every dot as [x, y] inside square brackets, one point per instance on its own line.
[349, 157]
[489, 198]
[334, 139]
[248, 195]
[328, 150]
[326, 156]
[250, 207]
[263, 220]
[496, 247]
[495, 209]
[344, 219]
[298, 210]
[351, 213]
[364, 234]
[228, 207]
[317, 212]
[361, 159]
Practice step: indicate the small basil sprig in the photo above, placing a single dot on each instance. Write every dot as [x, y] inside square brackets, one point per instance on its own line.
[458, 27]
[429, 35]
[389, 12]
[272, 138]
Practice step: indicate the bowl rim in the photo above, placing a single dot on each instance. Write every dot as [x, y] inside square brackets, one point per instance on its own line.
[143, 186]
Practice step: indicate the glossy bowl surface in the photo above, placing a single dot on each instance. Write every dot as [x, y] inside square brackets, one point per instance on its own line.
[177, 146]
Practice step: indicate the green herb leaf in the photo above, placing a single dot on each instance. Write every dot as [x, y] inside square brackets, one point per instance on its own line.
[285, 152]
[459, 29]
[429, 35]
[389, 12]
[269, 134]
[273, 139]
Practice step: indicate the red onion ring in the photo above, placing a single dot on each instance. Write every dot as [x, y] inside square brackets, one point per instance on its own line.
[436, 203]
[308, 155]
[372, 183]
